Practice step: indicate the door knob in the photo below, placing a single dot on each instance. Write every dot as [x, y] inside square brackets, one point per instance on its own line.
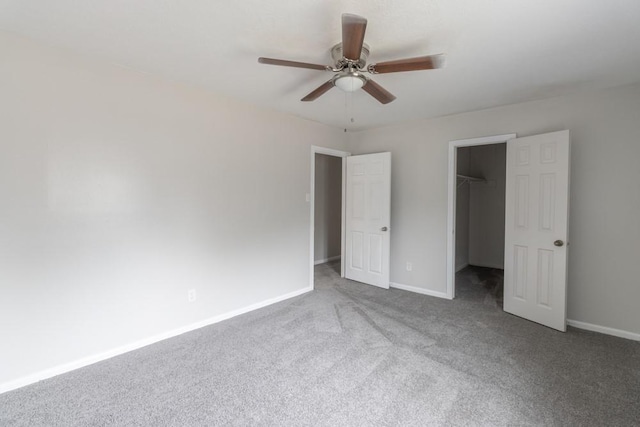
[558, 243]
[384, 229]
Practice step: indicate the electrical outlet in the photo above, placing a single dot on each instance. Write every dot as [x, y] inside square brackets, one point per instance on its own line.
[409, 266]
[191, 295]
[307, 197]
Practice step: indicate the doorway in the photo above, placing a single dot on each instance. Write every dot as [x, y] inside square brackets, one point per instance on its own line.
[327, 210]
[536, 223]
[480, 223]
[365, 215]
[459, 249]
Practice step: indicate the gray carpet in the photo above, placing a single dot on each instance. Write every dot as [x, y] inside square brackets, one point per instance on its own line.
[481, 284]
[349, 354]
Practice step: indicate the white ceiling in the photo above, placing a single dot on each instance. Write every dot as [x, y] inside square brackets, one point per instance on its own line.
[498, 51]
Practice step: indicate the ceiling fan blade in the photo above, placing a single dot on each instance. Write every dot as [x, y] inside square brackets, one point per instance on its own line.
[321, 90]
[410, 64]
[282, 62]
[353, 28]
[378, 92]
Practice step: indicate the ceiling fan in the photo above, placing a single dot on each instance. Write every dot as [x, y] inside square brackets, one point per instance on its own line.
[350, 58]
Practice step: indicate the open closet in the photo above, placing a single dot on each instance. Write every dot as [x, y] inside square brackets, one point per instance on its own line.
[480, 222]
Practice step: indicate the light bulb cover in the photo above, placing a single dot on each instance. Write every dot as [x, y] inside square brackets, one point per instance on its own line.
[350, 82]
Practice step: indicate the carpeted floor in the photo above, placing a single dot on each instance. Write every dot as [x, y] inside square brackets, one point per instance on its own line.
[481, 284]
[349, 354]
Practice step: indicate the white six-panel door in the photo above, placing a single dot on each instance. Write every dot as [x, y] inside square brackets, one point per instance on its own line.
[536, 228]
[367, 231]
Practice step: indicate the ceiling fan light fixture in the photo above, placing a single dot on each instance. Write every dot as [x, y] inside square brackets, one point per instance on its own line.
[350, 82]
[350, 62]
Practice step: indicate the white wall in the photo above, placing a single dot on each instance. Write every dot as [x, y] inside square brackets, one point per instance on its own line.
[462, 210]
[487, 205]
[328, 207]
[119, 192]
[605, 201]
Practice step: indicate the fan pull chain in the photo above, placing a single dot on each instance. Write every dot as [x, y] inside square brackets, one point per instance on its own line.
[352, 106]
[346, 110]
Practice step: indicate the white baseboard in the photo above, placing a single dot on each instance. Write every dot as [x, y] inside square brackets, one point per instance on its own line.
[85, 361]
[463, 266]
[325, 260]
[417, 290]
[478, 264]
[575, 323]
[604, 330]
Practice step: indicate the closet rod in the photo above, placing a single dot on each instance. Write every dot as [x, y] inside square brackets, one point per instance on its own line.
[470, 178]
[466, 179]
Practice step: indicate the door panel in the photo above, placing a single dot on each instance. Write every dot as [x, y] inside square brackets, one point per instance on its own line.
[356, 253]
[375, 253]
[537, 210]
[368, 216]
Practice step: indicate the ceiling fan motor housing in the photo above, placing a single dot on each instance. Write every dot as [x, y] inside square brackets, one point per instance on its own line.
[341, 61]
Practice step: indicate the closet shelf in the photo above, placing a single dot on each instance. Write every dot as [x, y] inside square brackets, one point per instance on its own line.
[465, 179]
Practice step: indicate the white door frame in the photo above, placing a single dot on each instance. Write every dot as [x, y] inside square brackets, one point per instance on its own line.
[451, 214]
[335, 153]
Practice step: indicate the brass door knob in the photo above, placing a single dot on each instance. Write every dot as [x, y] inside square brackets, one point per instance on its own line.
[558, 243]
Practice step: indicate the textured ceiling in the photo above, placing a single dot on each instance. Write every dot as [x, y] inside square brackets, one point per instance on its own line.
[498, 51]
